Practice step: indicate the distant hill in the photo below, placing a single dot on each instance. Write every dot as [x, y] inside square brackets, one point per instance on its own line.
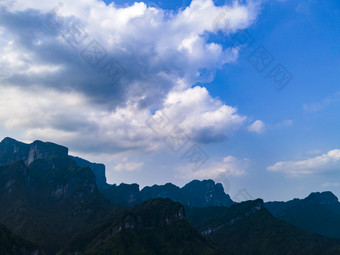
[318, 213]
[155, 227]
[196, 193]
[248, 228]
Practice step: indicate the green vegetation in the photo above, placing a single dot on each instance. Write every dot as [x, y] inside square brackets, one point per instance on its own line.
[13, 245]
[318, 213]
[55, 203]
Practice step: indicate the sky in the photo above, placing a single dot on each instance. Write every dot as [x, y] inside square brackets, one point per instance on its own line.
[245, 93]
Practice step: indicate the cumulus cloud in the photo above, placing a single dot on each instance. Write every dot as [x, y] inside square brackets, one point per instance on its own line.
[69, 118]
[54, 91]
[314, 165]
[202, 117]
[257, 127]
[158, 50]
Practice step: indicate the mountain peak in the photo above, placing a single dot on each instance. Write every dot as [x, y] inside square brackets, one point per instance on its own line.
[206, 192]
[8, 140]
[12, 150]
[325, 197]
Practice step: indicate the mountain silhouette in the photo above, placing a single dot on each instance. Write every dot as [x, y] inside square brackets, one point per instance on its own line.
[54, 203]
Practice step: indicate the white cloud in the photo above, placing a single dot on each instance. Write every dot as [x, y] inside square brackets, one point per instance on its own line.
[326, 102]
[285, 123]
[314, 152]
[331, 184]
[314, 165]
[217, 170]
[49, 91]
[128, 166]
[158, 49]
[70, 119]
[257, 127]
[202, 117]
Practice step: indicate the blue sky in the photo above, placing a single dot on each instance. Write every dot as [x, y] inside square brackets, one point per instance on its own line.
[174, 63]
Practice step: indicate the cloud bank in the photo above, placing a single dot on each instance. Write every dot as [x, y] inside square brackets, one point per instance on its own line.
[314, 165]
[55, 90]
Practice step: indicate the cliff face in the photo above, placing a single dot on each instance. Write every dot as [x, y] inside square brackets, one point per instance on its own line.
[161, 191]
[12, 151]
[205, 193]
[98, 170]
[123, 194]
[41, 150]
[49, 200]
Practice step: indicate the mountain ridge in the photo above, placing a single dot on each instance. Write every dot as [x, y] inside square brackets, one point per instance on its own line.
[55, 201]
[206, 192]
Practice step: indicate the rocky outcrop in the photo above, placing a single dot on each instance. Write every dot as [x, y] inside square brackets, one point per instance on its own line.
[12, 151]
[49, 198]
[195, 194]
[322, 198]
[168, 190]
[123, 194]
[205, 193]
[98, 170]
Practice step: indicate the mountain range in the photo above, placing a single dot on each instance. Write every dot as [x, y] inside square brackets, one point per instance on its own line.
[54, 203]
